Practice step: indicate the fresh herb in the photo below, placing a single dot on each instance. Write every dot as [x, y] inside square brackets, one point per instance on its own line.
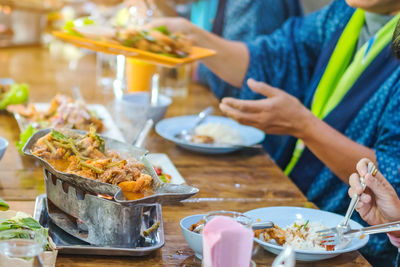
[24, 137]
[56, 135]
[305, 225]
[92, 133]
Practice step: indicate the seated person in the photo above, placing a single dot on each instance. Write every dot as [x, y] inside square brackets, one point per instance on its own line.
[339, 99]
[379, 202]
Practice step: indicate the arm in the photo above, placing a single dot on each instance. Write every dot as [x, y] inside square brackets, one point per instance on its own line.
[283, 114]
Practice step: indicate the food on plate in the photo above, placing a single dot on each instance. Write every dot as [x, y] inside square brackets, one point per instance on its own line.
[13, 94]
[299, 235]
[166, 178]
[157, 40]
[63, 112]
[216, 133]
[197, 227]
[87, 156]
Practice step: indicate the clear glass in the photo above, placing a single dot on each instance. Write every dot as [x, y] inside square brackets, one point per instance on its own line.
[239, 217]
[106, 71]
[174, 82]
[18, 245]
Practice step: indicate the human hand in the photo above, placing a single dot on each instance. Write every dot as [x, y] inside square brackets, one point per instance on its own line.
[279, 113]
[379, 202]
[177, 25]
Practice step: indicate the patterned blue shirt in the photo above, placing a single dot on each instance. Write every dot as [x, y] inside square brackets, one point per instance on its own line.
[286, 59]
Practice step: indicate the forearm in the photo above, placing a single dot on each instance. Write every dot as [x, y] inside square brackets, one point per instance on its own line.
[232, 58]
[336, 151]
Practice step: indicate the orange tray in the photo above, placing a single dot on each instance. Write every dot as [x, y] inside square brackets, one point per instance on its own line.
[112, 48]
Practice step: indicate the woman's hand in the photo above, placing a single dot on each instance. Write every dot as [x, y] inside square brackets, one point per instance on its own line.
[379, 203]
[279, 113]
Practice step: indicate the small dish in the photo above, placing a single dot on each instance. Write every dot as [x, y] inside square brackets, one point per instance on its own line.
[284, 216]
[140, 102]
[194, 240]
[168, 128]
[3, 146]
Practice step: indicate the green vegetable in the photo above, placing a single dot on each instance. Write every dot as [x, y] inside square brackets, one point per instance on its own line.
[58, 136]
[163, 178]
[17, 94]
[3, 205]
[24, 137]
[92, 133]
[163, 29]
[304, 226]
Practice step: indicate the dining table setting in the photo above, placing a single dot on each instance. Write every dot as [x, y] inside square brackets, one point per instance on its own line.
[86, 219]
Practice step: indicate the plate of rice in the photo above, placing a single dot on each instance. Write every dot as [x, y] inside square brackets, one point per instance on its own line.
[297, 228]
[216, 135]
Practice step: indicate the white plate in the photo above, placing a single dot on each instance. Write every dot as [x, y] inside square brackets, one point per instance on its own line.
[163, 161]
[168, 128]
[110, 129]
[285, 216]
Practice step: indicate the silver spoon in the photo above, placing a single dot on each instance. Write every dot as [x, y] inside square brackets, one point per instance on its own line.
[186, 135]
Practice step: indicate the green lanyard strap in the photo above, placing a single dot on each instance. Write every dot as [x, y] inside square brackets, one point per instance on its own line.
[339, 76]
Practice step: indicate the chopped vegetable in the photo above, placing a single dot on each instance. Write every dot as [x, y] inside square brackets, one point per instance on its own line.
[154, 227]
[24, 137]
[17, 94]
[69, 26]
[3, 205]
[58, 136]
[163, 29]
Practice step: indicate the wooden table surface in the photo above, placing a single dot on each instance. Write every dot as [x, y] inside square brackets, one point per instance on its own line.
[239, 181]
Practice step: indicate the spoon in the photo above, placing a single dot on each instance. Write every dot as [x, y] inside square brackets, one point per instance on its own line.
[186, 134]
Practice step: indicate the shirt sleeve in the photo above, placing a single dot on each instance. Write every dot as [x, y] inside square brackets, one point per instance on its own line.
[387, 143]
[286, 59]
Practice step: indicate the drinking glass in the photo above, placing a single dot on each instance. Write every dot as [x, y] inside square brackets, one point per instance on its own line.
[21, 247]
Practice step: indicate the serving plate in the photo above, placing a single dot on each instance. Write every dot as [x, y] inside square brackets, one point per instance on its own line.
[110, 129]
[163, 192]
[163, 161]
[285, 216]
[67, 244]
[168, 128]
[117, 49]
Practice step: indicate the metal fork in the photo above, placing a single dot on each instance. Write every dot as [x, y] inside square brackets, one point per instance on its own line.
[344, 225]
[337, 239]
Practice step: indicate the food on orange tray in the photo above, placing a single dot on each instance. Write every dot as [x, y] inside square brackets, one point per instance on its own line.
[86, 156]
[63, 112]
[299, 235]
[157, 40]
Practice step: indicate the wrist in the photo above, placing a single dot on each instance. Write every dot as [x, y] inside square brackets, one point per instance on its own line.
[304, 125]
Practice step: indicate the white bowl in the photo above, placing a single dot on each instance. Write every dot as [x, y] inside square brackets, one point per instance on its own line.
[285, 216]
[139, 104]
[3, 146]
[194, 240]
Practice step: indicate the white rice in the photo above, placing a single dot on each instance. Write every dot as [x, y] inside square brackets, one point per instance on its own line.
[312, 240]
[221, 133]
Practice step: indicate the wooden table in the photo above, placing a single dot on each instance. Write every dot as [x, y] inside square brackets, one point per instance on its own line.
[239, 181]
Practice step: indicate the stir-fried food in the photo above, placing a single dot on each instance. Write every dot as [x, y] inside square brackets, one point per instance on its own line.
[63, 112]
[86, 156]
[158, 40]
[300, 235]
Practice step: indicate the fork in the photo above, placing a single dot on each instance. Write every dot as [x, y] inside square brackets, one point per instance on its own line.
[343, 226]
[340, 240]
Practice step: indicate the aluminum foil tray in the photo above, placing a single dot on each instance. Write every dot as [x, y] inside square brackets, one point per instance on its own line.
[67, 244]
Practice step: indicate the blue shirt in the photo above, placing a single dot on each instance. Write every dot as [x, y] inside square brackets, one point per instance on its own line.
[287, 59]
[244, 20]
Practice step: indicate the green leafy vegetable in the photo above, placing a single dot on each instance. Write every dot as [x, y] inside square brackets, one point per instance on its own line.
[163, 29]
[24, 137]
[17, 94]
[304, 226]
[3, 205]
[69, 26]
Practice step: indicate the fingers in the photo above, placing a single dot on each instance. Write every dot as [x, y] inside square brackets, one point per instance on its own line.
[355, 185]
[362, 166]
[263, 88]
[241, 117]
[251, 106]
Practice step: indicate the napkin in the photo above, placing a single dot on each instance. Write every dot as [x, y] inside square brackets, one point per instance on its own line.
[226, 243]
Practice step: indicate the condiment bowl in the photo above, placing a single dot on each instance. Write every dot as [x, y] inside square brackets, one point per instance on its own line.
[194, 240]
[3, 146]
